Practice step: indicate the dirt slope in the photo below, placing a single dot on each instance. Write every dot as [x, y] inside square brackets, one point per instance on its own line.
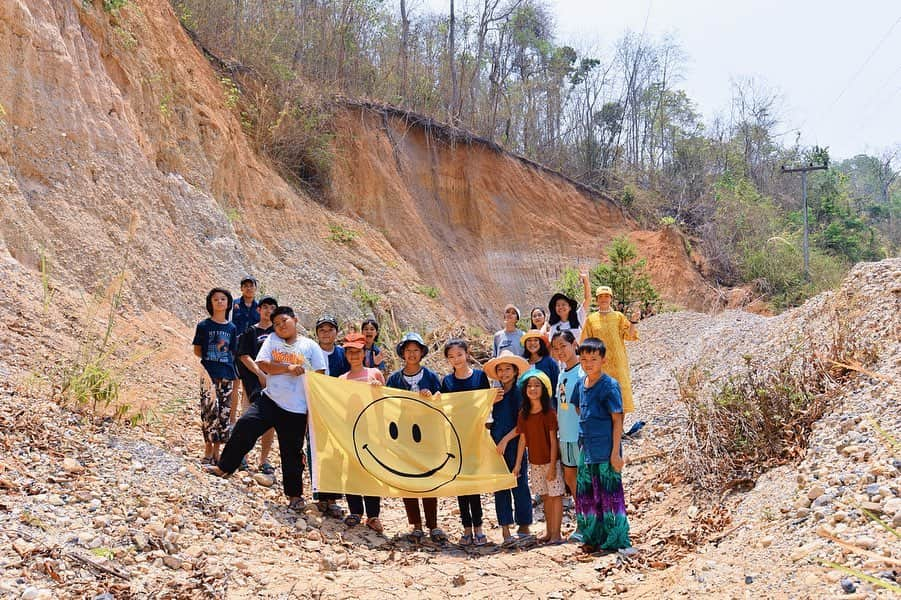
[115, 136]
[487, 226]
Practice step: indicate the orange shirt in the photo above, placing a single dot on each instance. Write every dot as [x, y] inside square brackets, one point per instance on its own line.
[538, 429]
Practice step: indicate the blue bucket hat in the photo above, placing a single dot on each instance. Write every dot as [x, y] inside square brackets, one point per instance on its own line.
[411, 336]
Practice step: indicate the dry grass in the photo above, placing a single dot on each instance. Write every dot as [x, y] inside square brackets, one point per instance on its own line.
[745, 424]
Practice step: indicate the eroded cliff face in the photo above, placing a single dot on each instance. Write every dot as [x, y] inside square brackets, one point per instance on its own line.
[118, 151]
[484, 226]
[116, 146]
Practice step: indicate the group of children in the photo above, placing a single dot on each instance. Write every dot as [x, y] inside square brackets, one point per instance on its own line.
[557, 417]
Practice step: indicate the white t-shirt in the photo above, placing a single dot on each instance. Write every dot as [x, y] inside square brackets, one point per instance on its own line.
[290, 391]
[413, 380]
[564, 326]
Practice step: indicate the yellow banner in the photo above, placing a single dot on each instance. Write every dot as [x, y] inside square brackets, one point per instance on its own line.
[379, 441]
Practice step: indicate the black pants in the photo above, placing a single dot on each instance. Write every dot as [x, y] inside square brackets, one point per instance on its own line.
[289, 427]
[355, 505]
[470, 510]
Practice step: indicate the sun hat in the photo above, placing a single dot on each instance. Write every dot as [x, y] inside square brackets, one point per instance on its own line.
[411, 336]
[533, 372]
[327, 320]
[603, 289]
[355, 340]
[552, 306]
[505, 357]
[534, 334]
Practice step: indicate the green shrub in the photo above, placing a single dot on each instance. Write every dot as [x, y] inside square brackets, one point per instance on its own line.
[627, 276]
[428, 290]
[366, 298]
[341, 234]
[232, 93]
[114, 5]
[667, 221]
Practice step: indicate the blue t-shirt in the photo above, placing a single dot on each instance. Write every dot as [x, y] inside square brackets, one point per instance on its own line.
[477, 381]
[337, 362]
[244, 316]
[596, 405]
[218, 343]
[505, 413]
[548, 366]
[567, 416]
[425, 379]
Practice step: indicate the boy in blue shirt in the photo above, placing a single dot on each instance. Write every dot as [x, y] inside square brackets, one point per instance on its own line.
[600, 501]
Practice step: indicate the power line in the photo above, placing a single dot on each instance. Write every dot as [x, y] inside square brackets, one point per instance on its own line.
[864, 65]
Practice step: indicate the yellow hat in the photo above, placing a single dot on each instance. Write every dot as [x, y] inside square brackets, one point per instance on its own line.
[603, 289]
[505, 357]
[536, 334]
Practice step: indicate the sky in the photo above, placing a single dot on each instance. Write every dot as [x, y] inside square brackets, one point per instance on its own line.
[836, 66]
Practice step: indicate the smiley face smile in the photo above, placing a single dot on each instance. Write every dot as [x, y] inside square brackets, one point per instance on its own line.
[428, 473]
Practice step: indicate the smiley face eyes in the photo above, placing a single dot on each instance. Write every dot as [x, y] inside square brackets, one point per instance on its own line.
[416, 431]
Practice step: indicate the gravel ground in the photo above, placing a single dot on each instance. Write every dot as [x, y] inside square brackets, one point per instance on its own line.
[97, 509]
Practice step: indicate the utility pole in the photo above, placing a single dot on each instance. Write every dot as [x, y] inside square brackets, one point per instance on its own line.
[803, 171]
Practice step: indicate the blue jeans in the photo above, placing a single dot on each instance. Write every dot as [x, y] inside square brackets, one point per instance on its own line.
[505, 500]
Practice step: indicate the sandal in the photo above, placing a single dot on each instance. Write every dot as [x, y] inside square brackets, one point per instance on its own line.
[438, 536]
[466, 540]
[416, 536]
[481, 539]
[267, 469]
[352, 520]
[207, 460]
[297, 504]
[374, 524]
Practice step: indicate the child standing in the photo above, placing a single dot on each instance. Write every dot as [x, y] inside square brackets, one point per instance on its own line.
[285, 357]
[536, 427]
[537, 353]
[336, 365]
[566, 314]
[416, 378]
[252, 377]
[327, 335]
[506, 369]
[354, 345]
[508, 337]
[464, 378]
[614, 329]
[539, 320]
[372, 353]
[563, 348]
[600, 501]
[215, 343]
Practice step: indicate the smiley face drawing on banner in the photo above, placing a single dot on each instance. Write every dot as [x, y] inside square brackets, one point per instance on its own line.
[408, 444]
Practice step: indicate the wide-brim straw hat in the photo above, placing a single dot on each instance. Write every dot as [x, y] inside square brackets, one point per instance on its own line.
[505, 357]
[534, 334]
[542, 377]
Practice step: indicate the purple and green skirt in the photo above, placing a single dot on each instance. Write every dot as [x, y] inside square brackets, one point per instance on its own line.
[601, 506]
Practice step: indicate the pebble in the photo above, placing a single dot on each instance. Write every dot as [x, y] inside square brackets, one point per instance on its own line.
[815, 492]
[172, 562]
[848, 586]
[55, 500]
[300, 525]
[865, 541]
[70, 465]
